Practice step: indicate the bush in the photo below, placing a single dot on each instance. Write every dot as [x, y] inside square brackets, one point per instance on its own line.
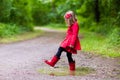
[114, 38]
[8, 30]
[21, 13]
[5, 8]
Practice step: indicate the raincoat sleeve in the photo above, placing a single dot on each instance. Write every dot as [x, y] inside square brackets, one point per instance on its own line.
[74, 33]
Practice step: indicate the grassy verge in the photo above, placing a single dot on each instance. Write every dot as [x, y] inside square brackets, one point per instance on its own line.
[92, 42]
[21, 37]
[12, 33]
[98, 44]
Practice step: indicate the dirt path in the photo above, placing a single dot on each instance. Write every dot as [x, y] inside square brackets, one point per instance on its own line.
[21, 60]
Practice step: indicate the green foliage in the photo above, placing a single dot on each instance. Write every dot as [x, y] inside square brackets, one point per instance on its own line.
[8, 30]
[52, 11]
[5, 8]
[40, 12]
[62, 7]
[16, 11]
[109, 15]
[114, 38]
[99, 44]
[21, 13]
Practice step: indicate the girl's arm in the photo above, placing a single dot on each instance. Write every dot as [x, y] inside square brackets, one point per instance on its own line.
[75, 34]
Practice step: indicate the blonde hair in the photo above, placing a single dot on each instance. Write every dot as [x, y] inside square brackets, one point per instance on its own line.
[72, 18]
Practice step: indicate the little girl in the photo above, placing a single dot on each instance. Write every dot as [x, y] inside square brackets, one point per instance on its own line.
[71, 42]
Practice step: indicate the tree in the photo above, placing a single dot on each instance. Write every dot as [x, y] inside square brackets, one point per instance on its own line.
[5, 8]
[97, 12]
[21, 13]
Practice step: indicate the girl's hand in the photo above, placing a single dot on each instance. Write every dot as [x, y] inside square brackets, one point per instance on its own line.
[71, 46]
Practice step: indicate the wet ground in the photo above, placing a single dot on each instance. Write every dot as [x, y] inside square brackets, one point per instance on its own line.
[21, 60]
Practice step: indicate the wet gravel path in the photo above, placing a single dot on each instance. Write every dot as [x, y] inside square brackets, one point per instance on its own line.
[21, 60]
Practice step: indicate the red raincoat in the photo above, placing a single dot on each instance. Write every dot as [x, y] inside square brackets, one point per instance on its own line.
[72, 39]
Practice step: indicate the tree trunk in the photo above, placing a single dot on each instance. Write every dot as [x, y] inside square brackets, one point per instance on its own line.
[97, 12]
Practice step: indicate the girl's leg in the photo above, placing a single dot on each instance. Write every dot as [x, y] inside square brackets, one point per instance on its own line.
[60, 50]
[71, 62]
[55, 58]
[69, 56]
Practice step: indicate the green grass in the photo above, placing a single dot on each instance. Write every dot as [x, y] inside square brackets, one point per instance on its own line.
[63, 71]
[21, 37]
[98, 44]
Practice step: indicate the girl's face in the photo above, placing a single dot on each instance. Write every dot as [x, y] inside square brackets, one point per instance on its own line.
[67, 22]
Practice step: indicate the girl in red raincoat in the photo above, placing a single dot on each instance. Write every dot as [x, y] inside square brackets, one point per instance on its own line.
[71, 42]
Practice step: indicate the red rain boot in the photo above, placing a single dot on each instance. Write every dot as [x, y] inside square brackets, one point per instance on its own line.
[53, 61]
[72, 66]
